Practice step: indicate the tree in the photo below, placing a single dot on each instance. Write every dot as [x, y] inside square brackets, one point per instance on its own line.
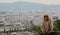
[56, 25]
[35, 29]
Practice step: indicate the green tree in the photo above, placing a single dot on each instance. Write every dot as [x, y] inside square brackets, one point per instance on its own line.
[56, 25]
[35, 29]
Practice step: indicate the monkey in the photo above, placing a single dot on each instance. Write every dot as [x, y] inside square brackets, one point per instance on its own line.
[47, 25]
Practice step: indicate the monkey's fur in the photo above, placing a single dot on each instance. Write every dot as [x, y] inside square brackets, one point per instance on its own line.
[46, 26]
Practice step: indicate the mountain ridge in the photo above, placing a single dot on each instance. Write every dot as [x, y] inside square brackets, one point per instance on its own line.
[27, 5]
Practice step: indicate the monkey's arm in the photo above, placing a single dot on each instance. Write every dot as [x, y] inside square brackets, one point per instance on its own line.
[42, 28]
[51, 26]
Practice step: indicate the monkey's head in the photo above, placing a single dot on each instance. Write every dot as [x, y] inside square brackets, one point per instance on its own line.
[46, 17]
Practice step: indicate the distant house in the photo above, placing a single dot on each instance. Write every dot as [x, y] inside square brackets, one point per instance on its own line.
[1, 23]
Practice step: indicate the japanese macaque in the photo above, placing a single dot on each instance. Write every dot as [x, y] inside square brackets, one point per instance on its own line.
[46, 26]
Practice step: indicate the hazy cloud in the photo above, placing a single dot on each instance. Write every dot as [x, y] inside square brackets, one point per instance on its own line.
[56, 2]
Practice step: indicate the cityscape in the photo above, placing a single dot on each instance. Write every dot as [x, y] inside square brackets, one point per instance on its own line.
[25, 17]
[18, 20]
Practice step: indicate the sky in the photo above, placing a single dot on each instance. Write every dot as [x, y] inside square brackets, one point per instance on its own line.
[47, 2]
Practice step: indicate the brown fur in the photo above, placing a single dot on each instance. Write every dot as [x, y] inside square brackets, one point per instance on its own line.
[47, 26]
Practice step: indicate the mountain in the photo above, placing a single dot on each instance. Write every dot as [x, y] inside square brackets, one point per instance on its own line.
[27, 5]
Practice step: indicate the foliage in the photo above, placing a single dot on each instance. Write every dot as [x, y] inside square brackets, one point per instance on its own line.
[36, 29]
[57, 25]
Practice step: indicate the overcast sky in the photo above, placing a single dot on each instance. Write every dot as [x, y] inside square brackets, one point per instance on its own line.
[48, 2]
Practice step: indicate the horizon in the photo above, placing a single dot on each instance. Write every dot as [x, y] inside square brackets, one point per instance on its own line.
[46, 2]
[27, 5]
